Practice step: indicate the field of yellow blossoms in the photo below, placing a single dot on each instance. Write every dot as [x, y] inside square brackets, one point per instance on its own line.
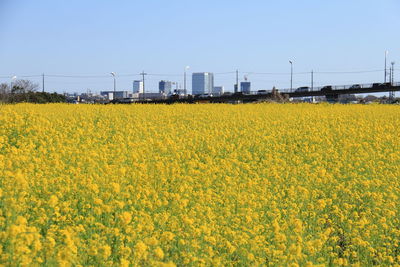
[193, 185]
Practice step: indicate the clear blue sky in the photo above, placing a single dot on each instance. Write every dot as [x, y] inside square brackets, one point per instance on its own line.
[95, 37]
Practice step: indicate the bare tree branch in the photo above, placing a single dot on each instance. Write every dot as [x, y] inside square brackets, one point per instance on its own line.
[24, 86]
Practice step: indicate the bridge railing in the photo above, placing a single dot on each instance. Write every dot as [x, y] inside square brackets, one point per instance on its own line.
[316, 88]
[334, 87]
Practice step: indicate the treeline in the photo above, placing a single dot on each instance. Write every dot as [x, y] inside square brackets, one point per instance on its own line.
[32, 97]
[26, 91]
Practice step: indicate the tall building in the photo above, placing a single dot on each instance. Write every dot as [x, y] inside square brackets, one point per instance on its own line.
[202, 83]
[165, 87]
[245, 87]
[138, 87]
[218, 90]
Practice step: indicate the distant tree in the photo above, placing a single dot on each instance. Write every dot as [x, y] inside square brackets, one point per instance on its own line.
[24, 86]
[4, 91]
[347, 98]
[26, 91]
[4, 88]
[370, 98]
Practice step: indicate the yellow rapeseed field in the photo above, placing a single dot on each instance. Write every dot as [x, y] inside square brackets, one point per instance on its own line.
[212, 185]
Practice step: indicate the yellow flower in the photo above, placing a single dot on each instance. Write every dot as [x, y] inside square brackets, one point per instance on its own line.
[124, 263]
[140, 249]
[126, 217]
[106, 250]
[53, 201]
[159, 253]
[167, 236]
[202, 185]
[250, 257]
[115, 187]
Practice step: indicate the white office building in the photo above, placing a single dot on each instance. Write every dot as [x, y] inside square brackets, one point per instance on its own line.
[138, 87]
[202, 83]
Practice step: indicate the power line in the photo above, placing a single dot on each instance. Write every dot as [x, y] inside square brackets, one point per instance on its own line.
[344, 72]
[161, 74]
[266, 73]
[309, 72]
[178, 75]
[129, 75]
[20, 76]
[87, 76]
[76, 76]
[222, 73]
[275, 73]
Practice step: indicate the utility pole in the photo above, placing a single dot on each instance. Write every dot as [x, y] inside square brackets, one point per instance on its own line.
[312, 80]
[391, 93]
[43, 83]
[392, 76]
[291, 75]
[386, 52]
[237, 81]
[184, 81]
[144, 88]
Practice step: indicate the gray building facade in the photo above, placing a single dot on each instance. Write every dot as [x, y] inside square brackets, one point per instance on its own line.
[118, 94]
[245, 87]
[202, 83]
[218, 90]
[165, 87]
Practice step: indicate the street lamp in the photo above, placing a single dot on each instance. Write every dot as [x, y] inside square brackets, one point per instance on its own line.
[291, 75]
[113, 74]
[11, 83]
[184, 80]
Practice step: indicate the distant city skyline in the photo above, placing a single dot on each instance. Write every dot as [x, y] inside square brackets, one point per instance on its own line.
[89, 39]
